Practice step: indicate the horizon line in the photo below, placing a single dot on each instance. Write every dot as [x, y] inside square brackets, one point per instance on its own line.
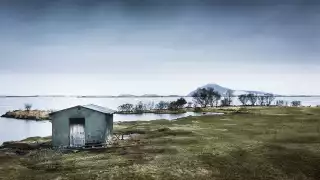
[142, 96]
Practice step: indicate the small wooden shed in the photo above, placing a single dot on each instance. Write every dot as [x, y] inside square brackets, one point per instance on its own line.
[81, 125]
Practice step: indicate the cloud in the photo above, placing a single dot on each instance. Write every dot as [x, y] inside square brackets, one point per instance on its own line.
[100, 36]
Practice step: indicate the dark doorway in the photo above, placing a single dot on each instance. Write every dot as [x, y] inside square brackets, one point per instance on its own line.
[77, 132]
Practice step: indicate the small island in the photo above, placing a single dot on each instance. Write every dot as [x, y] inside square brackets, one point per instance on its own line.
[28, 114]
[37, 115]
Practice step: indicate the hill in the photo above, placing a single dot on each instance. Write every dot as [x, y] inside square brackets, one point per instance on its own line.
[222, 90]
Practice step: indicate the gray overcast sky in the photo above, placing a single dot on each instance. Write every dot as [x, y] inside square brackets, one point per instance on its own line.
[150, 46]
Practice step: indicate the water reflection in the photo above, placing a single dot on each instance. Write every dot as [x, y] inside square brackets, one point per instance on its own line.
[12, 129]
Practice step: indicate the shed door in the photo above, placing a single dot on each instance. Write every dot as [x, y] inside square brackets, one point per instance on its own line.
[77, 135]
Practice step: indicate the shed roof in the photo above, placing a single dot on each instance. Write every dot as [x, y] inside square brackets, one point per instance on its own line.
[99, 108]
[92, 107]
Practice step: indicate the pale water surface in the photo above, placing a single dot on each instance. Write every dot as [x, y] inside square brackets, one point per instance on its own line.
[11, 129]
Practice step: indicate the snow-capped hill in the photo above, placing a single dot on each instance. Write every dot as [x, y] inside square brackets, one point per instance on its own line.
[216, 87]
[223, 90]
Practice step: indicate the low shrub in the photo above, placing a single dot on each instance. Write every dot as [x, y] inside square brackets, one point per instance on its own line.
[197, 109]
[296, 103]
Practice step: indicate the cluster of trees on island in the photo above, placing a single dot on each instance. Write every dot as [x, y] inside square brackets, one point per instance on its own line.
[141, 107]
[203, 98]
[253, 99]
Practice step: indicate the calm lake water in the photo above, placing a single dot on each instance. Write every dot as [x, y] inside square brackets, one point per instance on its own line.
[11, 129]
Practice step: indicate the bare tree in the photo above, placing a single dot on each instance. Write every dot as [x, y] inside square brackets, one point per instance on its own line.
[296, 103]
[126, 107]
[269, 99]
[213, 97]
[173, 106]
[27, 106]
[181, 102]
[280, 103]
[205, 97]
[252, 98]
[200, 97]
[140, 107]
[150, 105]
[228, 98]
[262, 100]
[243, 98]
[217, 97]
[162, 105]
[225, 102]
[189, 105]
[286, 103]
[178, 104]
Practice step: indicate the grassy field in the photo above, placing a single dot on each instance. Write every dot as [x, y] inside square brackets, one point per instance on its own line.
[251, 143]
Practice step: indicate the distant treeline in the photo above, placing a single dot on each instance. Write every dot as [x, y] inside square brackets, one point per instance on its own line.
[141, 107]
[205, 97]
[208, 97]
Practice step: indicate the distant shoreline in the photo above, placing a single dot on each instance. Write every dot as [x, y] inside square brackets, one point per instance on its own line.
[73, 96]
[102, 96]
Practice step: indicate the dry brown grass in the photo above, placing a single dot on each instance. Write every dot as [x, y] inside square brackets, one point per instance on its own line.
[265, 144]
